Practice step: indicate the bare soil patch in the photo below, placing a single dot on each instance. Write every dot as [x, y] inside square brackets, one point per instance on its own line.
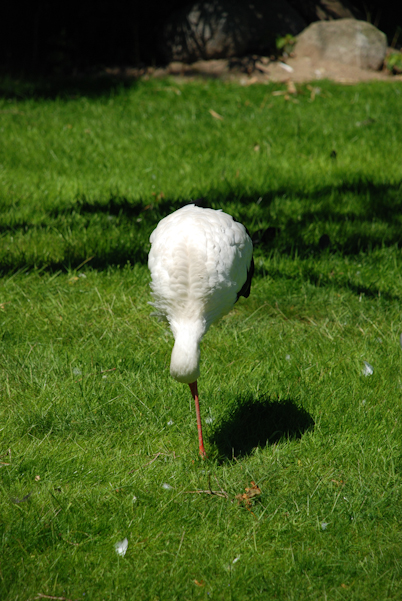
[260, 69]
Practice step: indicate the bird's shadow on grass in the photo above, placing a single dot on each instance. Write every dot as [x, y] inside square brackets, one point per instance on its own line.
[258, 423]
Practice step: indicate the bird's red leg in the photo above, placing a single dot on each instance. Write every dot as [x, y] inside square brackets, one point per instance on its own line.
[194, 392]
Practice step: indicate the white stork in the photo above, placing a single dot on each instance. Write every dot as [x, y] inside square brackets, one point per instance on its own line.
[201, 261]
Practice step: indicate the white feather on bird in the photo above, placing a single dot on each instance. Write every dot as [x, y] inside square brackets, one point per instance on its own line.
[201, 261]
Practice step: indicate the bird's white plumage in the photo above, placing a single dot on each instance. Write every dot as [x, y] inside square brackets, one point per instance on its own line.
[199, 260]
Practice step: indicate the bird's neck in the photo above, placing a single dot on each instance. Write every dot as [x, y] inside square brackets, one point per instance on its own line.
[185, 360]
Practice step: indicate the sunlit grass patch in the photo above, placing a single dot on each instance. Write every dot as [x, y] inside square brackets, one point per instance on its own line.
[99, 444]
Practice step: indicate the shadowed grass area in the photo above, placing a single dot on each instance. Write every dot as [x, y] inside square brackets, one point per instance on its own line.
[256, 423]
[99, 444]
[75, 168]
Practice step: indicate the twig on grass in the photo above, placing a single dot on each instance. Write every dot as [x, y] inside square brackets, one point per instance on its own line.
[245, 498]
[221, 489]
[76, 544]
[69, 542]
[84, 262]
[216, 493]
[152, 460]
[41, 596]
[178, 552]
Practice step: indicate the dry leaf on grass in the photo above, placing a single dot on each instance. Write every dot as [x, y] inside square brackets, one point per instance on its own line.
[251, 492]
[313, 92]
[216, 115]
[159, 196]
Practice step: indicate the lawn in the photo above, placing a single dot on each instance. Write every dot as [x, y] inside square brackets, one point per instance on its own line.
[301, 384]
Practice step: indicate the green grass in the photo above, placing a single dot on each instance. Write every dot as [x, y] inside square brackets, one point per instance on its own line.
[92, 426]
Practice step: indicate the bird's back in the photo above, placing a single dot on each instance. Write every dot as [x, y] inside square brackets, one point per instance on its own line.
[199, 262]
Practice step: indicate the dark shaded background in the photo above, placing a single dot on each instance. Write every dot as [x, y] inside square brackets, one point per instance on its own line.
[76, 36]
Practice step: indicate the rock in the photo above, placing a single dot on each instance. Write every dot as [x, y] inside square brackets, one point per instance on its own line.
[176, 68]
[223, 28]
[347, 41]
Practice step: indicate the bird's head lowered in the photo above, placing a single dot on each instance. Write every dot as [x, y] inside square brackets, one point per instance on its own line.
[185, 360]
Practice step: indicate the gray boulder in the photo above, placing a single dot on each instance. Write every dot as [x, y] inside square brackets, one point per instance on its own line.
[224, 28]
[346, 41]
